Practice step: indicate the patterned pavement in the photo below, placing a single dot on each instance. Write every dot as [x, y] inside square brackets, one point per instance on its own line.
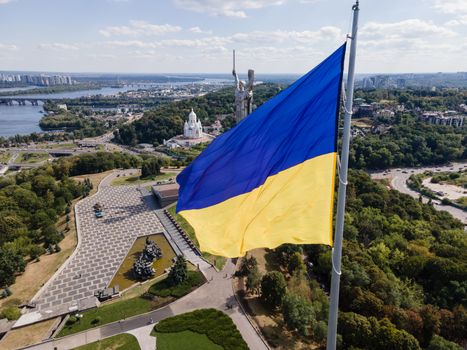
[104, 244]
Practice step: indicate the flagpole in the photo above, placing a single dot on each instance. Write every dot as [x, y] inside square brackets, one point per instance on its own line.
[343, 169]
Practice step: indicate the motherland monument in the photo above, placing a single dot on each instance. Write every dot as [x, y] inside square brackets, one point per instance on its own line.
[243, 93]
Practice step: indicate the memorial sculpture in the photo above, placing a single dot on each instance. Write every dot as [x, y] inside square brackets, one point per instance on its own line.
[243, 93]
[142, 268]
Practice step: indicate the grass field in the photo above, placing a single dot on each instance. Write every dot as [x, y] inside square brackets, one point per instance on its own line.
[25, 336]
[124, 308]
[117, 342]
[29, 158]
[214, 324]
[4, 157]
[136, 180]
[451, 178]
[185, 340]
[110, 313]
[56, 145]
[218, 261]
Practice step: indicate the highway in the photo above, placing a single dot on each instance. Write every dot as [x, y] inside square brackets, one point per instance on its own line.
[399, 177]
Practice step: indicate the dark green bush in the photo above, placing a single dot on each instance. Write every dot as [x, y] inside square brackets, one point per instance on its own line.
[217, 326]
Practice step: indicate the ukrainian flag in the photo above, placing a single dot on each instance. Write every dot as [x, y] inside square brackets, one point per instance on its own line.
[270, 180]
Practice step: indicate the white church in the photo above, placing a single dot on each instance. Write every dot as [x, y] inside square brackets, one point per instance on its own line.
[192, 134]
[193, 128]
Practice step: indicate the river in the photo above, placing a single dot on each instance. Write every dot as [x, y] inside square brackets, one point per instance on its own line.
[23, 120]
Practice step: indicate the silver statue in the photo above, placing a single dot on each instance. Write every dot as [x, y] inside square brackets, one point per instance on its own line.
[243, 93]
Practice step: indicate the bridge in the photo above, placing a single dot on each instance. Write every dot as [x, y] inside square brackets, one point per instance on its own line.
[22, 101]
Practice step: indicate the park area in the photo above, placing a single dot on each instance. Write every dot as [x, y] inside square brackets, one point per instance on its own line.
[153, 297]
[30, 158]
[4, 156]
[137, 180]
[205, 329]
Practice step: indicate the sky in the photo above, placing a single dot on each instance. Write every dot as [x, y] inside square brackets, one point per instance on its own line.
[197, 36]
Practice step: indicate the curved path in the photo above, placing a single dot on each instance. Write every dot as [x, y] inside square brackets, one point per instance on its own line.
[214, 294]
[399, 179]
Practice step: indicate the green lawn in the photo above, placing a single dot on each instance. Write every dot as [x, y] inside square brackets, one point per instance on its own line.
[25, 157]
[4, 157]
[462, 202]
[218, 261]
[117, 342]
[451, 178]
[110, 313]
[57, 145]
[136, 180]
[214, 324]
[121, 309]
[163, 289]
[185, 340]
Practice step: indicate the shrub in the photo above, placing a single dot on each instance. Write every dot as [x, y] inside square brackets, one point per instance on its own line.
[165, 288]
[11, 313]
[97, 320]
[216, 325]
[71, 320]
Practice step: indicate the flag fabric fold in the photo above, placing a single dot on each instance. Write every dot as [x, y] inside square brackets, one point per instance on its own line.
[270, 179]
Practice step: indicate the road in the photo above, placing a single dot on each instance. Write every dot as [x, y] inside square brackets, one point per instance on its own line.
[399, 179]
[216, 293]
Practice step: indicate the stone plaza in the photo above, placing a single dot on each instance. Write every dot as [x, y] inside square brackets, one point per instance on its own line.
[103, 244]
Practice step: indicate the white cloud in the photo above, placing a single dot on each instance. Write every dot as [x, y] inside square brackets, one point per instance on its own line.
[289, 37]
[198, 30]
[411, 28]
[2, 2]
[140, 28]
[98, 56]
[129, 43]
[8, 47]
[248, 39]
[451, 6]
[228, 8]
[460, 21]
[58, 46]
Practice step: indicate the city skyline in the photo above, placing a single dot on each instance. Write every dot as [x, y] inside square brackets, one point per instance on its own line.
[197, 36]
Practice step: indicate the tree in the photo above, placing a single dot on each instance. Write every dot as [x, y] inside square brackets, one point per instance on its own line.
[248, 264]
[253, 280]
[298, 313]
[296, 263]
[35, 252]
[151, 167]
[178, 273]
[439, 343]
[11, 263]
[273, 288]
[285, 252]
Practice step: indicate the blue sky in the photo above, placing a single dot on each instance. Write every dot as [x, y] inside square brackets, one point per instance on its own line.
[271, 36]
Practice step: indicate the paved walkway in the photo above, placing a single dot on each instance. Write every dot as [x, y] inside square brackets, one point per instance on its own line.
[136, 203]
[145, 340]
[215, 294]
[103, 245]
